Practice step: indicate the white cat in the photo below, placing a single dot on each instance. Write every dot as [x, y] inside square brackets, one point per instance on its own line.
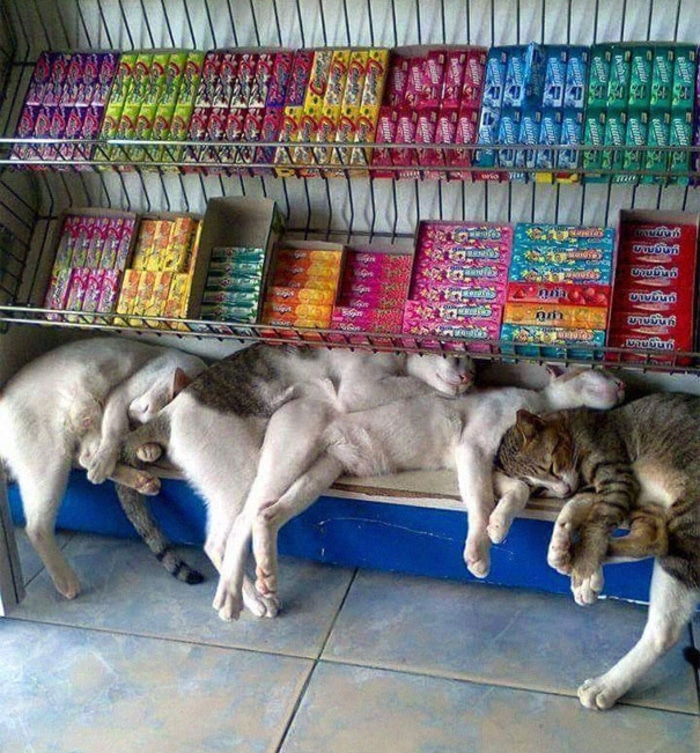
[75, 403]
[215, 428]
[421, 433]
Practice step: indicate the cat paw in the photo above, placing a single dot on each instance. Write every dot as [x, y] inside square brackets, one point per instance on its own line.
[67, 585]
[498, 527]
[587, 590]
[596, 694]
[100, 467]
[149, 452]
[226, 604]
[147, 485]
[559, 551]
[477, 559]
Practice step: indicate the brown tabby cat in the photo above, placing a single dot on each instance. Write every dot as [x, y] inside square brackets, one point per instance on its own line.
[638, 462]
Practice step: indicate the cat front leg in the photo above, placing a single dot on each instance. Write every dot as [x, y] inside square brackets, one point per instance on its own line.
[474, 474]
[566, 527]
[671, 606]
[513, 495]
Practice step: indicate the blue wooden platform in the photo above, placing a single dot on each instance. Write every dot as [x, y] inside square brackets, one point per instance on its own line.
[356, 533]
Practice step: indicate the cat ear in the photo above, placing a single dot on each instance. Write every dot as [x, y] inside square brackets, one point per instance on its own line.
[180, 381]
[554, 370]
[529, 425]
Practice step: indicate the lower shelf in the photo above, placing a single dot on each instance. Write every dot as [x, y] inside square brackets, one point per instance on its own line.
[415, 535]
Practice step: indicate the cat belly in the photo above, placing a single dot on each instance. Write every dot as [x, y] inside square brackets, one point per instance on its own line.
[659, 483]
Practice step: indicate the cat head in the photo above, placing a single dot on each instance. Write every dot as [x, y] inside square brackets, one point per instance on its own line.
[540, 450]
[451, 375]
[146, 406]
[583, 388]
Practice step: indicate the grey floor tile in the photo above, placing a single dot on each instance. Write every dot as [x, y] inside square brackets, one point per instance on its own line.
[361, 710]
[497, 635]
[126, 590]
[83, 691]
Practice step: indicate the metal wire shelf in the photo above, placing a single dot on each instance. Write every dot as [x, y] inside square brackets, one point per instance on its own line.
[350, 205]
[491, 350]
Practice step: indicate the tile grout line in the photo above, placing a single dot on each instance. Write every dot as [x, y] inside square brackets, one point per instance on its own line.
[442, 675]
[316, 662]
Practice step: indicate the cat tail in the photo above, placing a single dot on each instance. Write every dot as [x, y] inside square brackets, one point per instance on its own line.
[137, 510]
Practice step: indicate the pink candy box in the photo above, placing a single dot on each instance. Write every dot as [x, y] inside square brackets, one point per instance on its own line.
[397, 81]
[426, 271]
[416, 311]
[453, 79]
[433, 71]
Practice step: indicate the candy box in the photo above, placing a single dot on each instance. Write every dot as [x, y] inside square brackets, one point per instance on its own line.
[487, 331]
[417, 312]
[397, 80]
[337, 77]
[465, 133]
[474, 73]
[453, 79]
[680, 134]
[599, 77]
[355, 79]
[523, 271]
[261, 80]
[549, 135]
[426, 274]
[258, 224]
[487, 135]
[560, 295]
[630, 297]
[524, 80]
[660, 348]
[495, 77]
[40, 79]
[375, 78]
[560, 235]
[684, 72]
[589, 317]
[619, 80]
[318, 79]
[577, 65]
[433, 71]
[280, 76]
[316, 296]
[594, 135]
[551, 341]
[110, 291]
[615, 134]
[299, 78]
[641, 70]
[556, 59]
[661, 94]
[367, 320]
[656, 159]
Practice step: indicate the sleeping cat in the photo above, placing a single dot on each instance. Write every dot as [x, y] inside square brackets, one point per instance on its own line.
[641, 460]
[420, 433]
[72, 404]
[215, 428]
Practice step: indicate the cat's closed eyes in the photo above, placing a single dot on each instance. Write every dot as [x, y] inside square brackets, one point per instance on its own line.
[639, 461]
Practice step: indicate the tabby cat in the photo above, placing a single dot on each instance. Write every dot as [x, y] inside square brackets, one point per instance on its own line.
[637, 462]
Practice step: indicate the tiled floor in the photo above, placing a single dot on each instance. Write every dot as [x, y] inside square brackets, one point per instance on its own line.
[358, 661]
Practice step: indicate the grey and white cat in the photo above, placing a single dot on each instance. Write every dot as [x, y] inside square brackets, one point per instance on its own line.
[639, 461]
[74, 404]
[281, 397]
[422, 432]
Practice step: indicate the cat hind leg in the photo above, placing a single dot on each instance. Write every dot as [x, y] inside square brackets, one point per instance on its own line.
[671, 606]
[42, 490]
